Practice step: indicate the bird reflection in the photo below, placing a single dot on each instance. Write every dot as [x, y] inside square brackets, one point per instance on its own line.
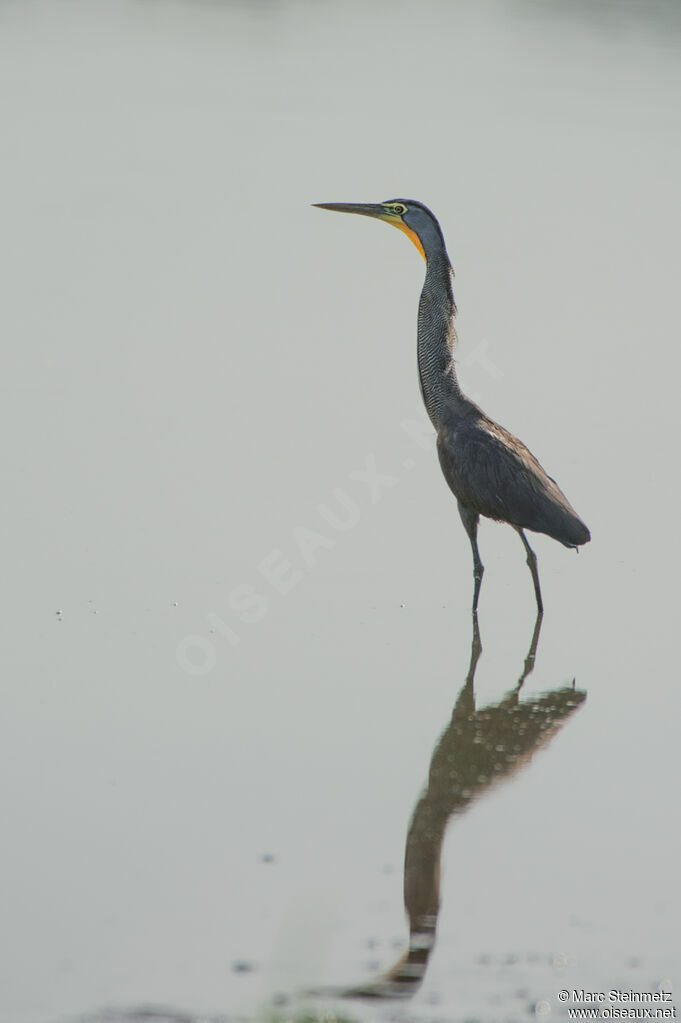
[478, 749]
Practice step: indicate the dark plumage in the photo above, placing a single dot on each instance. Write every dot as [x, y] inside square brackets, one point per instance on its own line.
[489, 471]
[493, 474]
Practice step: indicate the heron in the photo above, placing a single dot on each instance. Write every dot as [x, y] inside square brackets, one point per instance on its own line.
[489, 471]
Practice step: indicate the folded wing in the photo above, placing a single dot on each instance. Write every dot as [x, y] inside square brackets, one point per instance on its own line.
[492, 473]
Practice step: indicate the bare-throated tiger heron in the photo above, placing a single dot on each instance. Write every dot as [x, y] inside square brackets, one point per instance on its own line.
[489, 471]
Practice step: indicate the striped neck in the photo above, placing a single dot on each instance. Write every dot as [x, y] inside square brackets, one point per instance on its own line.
[437, 336]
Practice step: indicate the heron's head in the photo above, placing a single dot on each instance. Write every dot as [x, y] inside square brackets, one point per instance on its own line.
[412, 217]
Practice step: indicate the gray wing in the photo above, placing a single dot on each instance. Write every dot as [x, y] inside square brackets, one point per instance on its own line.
[491, 472]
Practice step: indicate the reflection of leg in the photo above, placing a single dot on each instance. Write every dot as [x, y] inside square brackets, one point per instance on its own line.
[465, 703]
[470, 521]
[476, 650]
[532, 562]
[532, 652]
[476, 647]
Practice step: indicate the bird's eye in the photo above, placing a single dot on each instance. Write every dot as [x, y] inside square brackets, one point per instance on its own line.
[399, 208]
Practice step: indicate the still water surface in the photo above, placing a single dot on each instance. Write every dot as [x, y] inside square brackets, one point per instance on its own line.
[241, 678]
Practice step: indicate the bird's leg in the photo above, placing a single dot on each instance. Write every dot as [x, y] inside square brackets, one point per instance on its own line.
[532, 562]
[470, 521]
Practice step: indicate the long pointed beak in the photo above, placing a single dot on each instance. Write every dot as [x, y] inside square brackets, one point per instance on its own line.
[370, 209]
[364, 209]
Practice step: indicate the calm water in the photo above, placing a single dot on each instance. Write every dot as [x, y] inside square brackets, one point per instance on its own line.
[241, 676]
